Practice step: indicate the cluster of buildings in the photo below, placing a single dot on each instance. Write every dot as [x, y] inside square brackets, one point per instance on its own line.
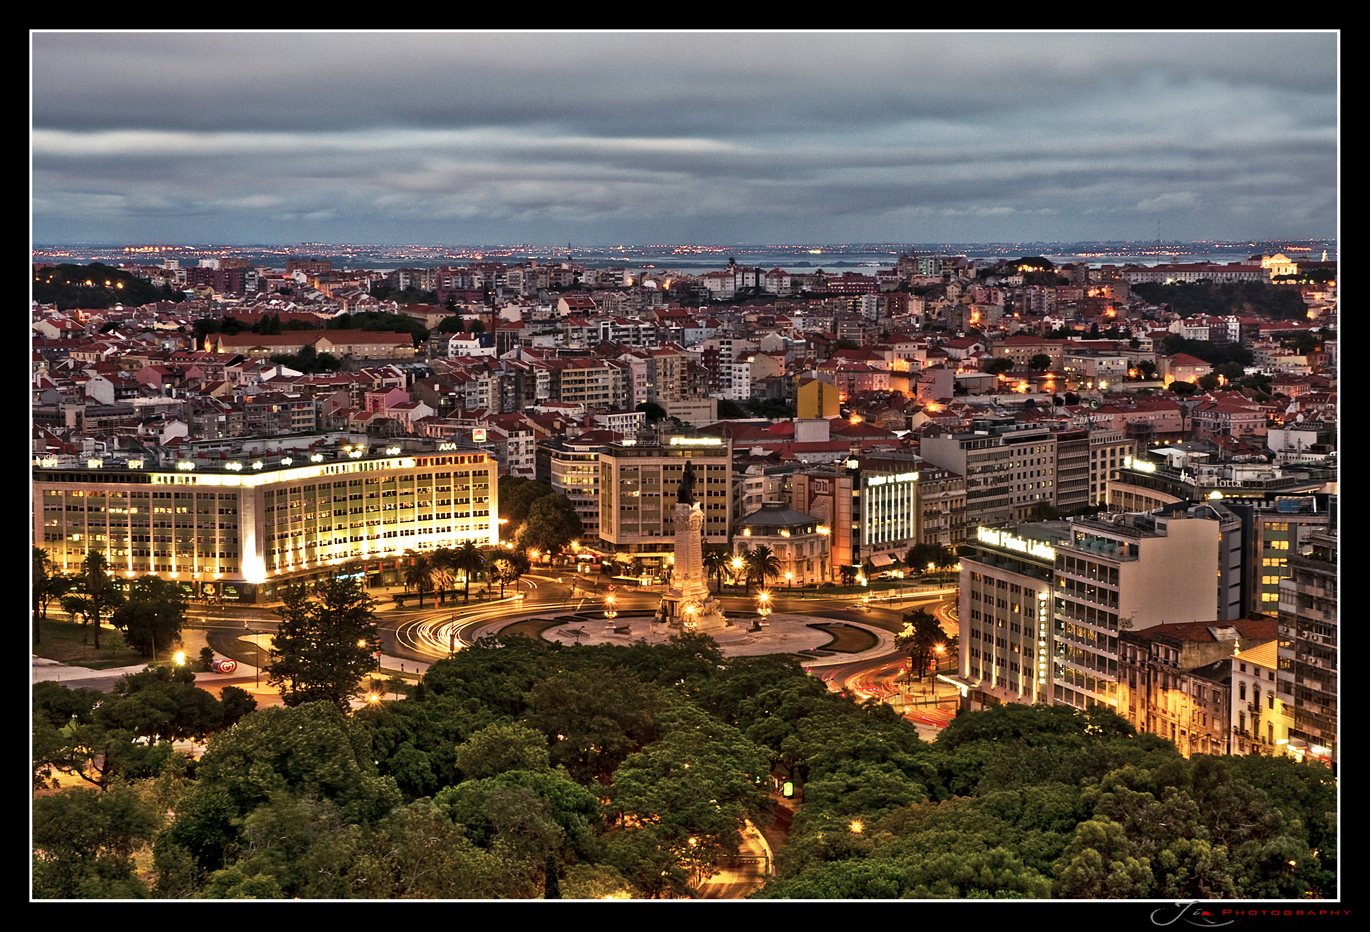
[1211, 622]
[1136, 530]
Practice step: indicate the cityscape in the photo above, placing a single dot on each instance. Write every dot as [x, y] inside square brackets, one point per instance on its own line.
[464, 498]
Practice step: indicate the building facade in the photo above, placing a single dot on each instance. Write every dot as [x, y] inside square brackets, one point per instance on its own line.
[1308, 627]
[637, 489]
[236, 529]
[798, 541]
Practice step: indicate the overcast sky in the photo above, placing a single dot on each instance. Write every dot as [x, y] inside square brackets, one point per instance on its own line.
[652, 137]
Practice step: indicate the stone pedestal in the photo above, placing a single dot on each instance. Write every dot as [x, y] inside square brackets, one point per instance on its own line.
[688, 604]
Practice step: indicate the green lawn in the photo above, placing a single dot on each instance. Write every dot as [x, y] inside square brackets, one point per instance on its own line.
[67, 642]
[847, 639]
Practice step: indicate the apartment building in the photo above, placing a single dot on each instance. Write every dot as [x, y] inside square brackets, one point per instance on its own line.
[943, 494]
[1007, 629]
[571, 468]
[1308, 631]
[1276, 528]
[1176, 680]
[1128, 573]
[1109, 450]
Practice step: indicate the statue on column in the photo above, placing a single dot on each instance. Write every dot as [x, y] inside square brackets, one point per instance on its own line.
[687, 601]
[686, 492]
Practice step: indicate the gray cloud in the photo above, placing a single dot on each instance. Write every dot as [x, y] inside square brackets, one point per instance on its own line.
[524, 136]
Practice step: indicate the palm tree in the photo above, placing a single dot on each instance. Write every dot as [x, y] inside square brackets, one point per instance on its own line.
[468, 560]
[99, 588]
[762, 564]
[45, 587]
[716, 561]
[419, 573]
[444, 569]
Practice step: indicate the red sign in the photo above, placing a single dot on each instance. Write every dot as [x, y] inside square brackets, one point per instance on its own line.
[225, 666]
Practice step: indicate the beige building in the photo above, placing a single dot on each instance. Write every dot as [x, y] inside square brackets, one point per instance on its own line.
[637, 492]
[1260, 720]
[359, 344]
[1190, 682]
[1109, 450]
[1043, 606]
[943, 494]
[797, 540]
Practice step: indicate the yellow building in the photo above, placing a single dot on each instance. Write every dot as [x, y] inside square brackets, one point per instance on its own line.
[817, 398]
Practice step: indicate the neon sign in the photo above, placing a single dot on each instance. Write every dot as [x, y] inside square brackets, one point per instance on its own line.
[1017, 544]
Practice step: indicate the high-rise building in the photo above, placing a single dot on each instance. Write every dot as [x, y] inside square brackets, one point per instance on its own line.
[571, 468]
[637, 492]
[1043, 605]
[1308, 648]
[1109, 450]
[871, 505]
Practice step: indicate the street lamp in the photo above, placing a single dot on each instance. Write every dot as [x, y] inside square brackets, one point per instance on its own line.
[609, 611]
[737, 570]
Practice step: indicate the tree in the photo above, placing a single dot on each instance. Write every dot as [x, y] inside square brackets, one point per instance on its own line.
[469, 560]
[652, 410]
[594, 719]
[84, 843]
[98, 591]
[419, 573]
[762, 564]
[444, 565]
[516, 498]
[502, 571]
[103, 756]
[692, 788]
[1040, 362]
[325, 646]
[552, 524]
[310, 750]
[154, 613]
[716, 560]
[730, 409]
[47, 586]
[920, 637]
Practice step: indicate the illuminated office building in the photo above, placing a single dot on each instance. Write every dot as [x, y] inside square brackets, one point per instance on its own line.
[1043, 605]
[871, 505]
[235, 529]
[637, 494]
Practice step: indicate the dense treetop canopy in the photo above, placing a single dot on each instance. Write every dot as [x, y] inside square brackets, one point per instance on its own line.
[525, 769]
